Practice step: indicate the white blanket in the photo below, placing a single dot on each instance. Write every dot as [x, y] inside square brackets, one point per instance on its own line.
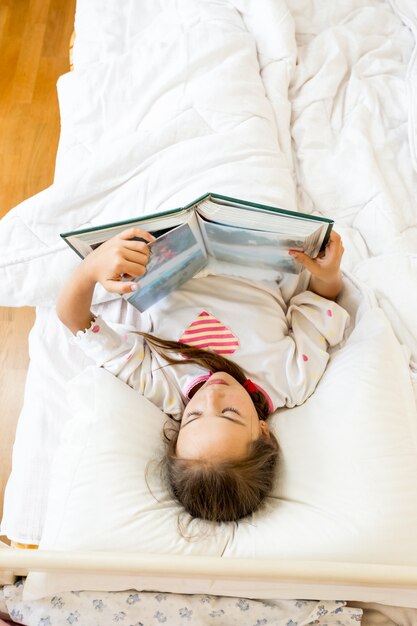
[353, 101]
[289, 104]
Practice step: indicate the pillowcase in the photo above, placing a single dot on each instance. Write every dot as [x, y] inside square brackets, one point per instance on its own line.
[347, 488]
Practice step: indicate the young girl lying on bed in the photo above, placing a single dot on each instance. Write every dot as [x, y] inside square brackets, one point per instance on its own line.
[221, 457]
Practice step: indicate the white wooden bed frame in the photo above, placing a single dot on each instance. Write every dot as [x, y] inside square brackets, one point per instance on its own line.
[386, 584]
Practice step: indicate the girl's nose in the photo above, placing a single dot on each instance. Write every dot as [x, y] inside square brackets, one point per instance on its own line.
[214, 396]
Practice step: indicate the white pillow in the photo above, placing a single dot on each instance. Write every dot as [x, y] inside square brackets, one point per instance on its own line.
[347, 488]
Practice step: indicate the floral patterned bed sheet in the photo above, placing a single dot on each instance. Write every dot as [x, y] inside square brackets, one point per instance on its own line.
[133, 608]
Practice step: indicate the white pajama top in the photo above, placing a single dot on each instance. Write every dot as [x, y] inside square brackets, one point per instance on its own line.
[282, 348]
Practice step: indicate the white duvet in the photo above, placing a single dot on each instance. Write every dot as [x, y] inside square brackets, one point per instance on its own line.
[304, 104]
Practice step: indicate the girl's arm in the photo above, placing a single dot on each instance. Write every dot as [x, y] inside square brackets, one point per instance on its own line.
[73, 306]
[120, 255]
[315, 324]
[326, 277]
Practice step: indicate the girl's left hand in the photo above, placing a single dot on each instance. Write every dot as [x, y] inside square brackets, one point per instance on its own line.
[327, 267]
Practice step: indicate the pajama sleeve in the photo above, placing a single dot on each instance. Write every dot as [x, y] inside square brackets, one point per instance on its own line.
[315, 324]
[122, 354]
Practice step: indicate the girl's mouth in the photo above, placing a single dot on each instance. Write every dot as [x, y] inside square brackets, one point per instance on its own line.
[216, 381]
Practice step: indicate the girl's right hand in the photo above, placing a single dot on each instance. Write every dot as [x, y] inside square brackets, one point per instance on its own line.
[120, 256]
[325, 268]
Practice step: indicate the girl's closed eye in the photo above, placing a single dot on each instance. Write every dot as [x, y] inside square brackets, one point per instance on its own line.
[197, 414]
[193, 413]
[200, 413]
[230, 408]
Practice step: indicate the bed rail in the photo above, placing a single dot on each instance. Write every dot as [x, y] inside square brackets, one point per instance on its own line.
[396, 585]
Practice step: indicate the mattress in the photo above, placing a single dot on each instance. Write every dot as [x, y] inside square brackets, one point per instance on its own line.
[293, 106]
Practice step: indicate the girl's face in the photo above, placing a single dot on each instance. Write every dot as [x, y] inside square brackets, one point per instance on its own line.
[219, 421]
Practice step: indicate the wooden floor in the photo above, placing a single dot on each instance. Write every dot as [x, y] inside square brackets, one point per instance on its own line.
[34, 40]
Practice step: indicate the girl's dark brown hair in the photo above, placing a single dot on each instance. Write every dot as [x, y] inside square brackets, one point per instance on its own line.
[226, 490]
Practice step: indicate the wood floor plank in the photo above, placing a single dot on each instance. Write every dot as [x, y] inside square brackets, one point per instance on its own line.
[4, 12]
[58, 28]
[18, 10]
[33, 54]
[30, 53]
[38, 12]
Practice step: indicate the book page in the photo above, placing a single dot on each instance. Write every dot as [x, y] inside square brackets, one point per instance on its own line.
[87, 240]
[254, 248]
[243, 216]
[175, 258]
[313, 243]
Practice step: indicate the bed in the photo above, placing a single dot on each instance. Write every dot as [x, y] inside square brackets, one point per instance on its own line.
[294, 104]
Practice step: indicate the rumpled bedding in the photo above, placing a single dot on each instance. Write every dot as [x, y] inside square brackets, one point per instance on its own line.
[301, 105]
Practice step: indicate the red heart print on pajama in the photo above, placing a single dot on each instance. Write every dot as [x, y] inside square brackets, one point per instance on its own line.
[208, 333]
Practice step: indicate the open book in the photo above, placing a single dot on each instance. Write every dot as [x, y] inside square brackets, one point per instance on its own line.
[227, 235]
